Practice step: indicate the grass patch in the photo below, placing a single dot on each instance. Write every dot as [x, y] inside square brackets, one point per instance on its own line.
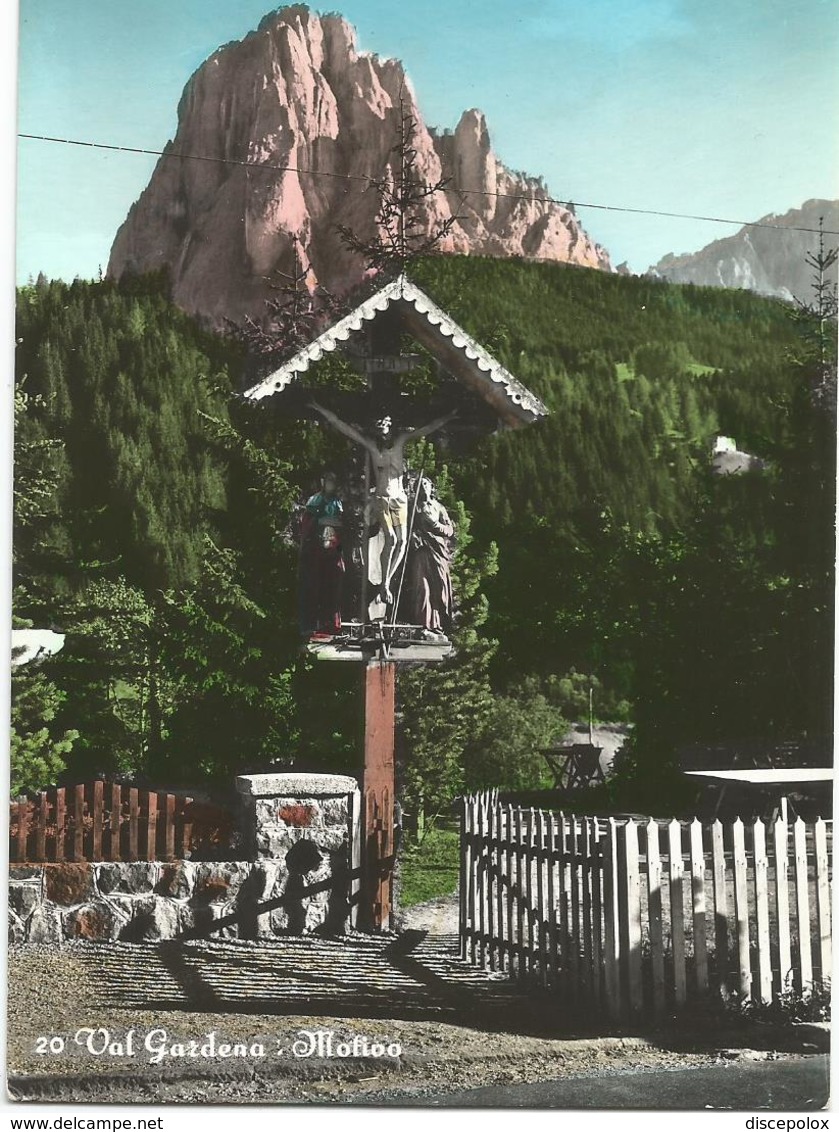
[430, 869]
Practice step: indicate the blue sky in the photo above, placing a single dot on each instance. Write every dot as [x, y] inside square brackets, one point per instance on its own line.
[717, 107]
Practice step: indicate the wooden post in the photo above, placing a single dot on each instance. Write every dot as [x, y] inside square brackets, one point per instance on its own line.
[379, 785]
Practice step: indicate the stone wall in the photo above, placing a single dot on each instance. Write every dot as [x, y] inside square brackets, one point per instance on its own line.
[305, 838]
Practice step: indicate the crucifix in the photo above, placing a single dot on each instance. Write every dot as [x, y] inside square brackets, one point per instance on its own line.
[387, 452]
[478, 396]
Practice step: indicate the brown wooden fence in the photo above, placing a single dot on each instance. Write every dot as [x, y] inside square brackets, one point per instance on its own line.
[108, 821]
[638, 917]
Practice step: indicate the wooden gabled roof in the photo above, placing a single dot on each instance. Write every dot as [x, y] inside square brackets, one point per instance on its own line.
[466, 360]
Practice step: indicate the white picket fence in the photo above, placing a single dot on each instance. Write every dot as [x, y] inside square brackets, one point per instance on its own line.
[639, 918]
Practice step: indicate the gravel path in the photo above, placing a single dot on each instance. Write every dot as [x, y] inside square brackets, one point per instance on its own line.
[456, 1027]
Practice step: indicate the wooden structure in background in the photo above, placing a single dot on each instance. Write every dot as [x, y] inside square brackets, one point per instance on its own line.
[576, 766]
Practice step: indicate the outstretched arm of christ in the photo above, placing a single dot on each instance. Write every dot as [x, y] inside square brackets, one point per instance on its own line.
[432, 426]
[423, 430]
[342, 426]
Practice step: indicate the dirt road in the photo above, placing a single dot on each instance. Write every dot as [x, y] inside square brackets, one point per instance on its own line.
[393, 1018]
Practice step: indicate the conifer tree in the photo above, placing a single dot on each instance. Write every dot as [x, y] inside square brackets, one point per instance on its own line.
[405, 224]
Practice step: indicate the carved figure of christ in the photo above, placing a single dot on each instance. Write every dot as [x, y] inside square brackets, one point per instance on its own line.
[388, 458]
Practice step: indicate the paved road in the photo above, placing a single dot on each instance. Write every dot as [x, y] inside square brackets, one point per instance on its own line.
[798, 1085]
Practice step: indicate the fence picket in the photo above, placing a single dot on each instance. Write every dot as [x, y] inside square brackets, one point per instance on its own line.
[41, 839]
[633, 916]
[22, 807]
[510, 893]
[541, 910]
[677, 910]
[498, 864]
[574, 917]
[470, 894]
[802, 905]
[480, 876]
[562, 929]
[741, 908]
[611, 920]
[697, 892]
[655, 918]
[822, 900]
[133, 823]
[169, 827]
[596, 910]
[780, 839]
[552, 909]
[60, 817]
[489, 891]
[587, 866]
[78, 823]
[98, 813]
[519, 898]
[530, 910]
[763, 982]
[116, 823]
[720, 909]
[489, 870]
[463, 876]
[151, 827]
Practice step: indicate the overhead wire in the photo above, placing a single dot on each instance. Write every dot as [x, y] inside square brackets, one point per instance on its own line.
[287, 168]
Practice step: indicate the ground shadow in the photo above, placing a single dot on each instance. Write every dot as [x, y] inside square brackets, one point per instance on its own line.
[413, 976]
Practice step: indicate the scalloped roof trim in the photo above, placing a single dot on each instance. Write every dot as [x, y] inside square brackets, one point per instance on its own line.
[402, 289]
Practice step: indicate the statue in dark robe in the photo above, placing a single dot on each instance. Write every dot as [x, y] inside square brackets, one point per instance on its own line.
[428, 584]
[322, 567]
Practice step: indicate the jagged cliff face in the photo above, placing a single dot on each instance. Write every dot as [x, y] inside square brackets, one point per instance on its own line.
[770, 261]
[296, 92]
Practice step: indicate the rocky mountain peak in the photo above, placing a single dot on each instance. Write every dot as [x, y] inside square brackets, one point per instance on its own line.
[295, 122]
[769, 257]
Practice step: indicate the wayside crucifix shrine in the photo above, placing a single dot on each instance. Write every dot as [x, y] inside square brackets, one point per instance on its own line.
[404, 604]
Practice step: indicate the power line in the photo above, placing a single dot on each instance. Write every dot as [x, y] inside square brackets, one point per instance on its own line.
[463, 192]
